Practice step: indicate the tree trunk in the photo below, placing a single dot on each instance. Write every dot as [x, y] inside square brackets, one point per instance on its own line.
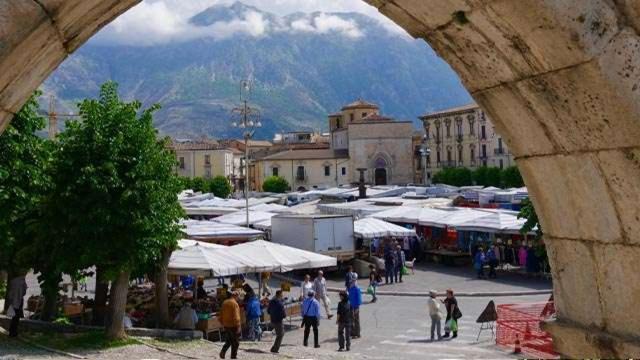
[10, 275]
[102, 290]
[117, 306]
[50, 291]
[161, 301]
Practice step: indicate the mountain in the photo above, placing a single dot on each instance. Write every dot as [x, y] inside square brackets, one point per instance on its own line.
[303, 65]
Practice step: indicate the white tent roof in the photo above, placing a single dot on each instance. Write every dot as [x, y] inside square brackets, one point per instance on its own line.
[207, 261]
[240, 217]
[196, 229]
[268, 207]
[494, 222]
[286, 258]
[185, 243]
[454, 216]
[369, 228]
[411, 215]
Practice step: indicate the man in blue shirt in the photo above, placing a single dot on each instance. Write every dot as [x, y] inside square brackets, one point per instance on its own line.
[311, 318]
[277, 313]
[355, 300]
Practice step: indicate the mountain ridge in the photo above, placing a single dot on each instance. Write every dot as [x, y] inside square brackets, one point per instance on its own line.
[301, 73]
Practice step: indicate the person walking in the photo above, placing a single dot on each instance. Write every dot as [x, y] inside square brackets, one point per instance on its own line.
[311, 318]
[345, 318]
[355, 300]
[307, 285]
[389, 264]
[435, 314]
[229, 317]
[401, 260]
[253, 314]
[350, 277]
[453, 313]
[277, 314]
[492, 260]
[320, 288]
[374, 280]
[478, 262]
[17, 291]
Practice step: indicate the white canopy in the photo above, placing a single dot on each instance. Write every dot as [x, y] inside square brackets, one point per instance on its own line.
[240, 217]
[412, 215]
[268, 207]
[207, 261]
[369, 228]
[494, 222]
[453, 217]
[196, 229]
[185, 243]
[284, 258]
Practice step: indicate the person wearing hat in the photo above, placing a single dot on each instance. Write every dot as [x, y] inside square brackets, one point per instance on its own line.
[229, 317]
[345, 317]
[311, 318]
[435, 314]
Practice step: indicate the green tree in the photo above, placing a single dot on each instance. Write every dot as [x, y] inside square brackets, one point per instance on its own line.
[24, 158]
[528, 212]
[511, 177]
[185, 183]
[220, 186]
[453, 176]
[487, 176]
[115, 194]
[275, 184]
[199, 184]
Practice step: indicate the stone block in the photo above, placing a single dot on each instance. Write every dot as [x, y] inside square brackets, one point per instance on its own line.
[620, 287]
[401, 17]
[622, 170]
[572, 197]
[583, 108]
[575, 285]
[28, 64]
[631, 10]
[5, 118]
[516, 122]
[432, 13]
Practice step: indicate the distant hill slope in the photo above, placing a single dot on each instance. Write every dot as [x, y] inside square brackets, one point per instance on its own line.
[300, 74]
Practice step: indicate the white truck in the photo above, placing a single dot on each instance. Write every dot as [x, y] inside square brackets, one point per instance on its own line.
[324, 234]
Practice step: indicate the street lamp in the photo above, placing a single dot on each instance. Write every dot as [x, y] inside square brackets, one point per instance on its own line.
[248, 119]
[424, 152]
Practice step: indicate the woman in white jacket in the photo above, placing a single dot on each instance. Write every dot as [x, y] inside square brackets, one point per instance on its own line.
[435, 314]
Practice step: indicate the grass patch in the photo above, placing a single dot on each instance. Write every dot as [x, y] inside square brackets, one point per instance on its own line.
[171, 343]
[92, 340]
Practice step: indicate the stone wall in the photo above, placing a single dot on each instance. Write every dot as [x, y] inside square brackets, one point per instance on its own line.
[561, 79]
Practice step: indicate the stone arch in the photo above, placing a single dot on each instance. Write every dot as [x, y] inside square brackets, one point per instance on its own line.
[559, 79]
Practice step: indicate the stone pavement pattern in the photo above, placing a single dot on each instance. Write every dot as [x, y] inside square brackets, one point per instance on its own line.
[392, 328]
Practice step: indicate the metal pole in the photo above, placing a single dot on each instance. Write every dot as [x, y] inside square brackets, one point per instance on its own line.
[246, 162]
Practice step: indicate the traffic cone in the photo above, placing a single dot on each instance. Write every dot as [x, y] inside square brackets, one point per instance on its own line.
[516, 348]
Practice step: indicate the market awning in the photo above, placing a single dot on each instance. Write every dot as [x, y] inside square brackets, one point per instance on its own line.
[185, 243]
[207, 261]
[369, 228]
[452, 217]
[494, 222]
[197, 229]
[287, 258]
[240, 217]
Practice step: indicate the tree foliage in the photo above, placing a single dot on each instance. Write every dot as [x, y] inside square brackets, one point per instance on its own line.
[528, 212]
[275, 184]
[114, 189]
[220, 186]
[484, 176]
[24, 158]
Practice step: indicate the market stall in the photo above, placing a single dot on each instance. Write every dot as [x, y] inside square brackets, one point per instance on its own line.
[217, 232]
[369, 228]
[240, 217]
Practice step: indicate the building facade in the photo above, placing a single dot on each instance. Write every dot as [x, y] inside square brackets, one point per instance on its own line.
[462, 137]
[202, 159]
[360, 138]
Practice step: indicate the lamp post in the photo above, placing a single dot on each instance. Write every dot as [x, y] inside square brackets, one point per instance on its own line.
[424, 152]
[247, 119]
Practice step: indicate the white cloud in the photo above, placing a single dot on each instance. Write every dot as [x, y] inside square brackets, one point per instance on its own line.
[155, 22]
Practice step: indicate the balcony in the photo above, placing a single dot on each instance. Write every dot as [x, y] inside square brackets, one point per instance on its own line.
[499, 151]
[459, 138]
[301, 177]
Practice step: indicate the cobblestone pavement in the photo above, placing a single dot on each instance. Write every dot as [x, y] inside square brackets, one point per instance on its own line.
[461, 279]
[392, 328]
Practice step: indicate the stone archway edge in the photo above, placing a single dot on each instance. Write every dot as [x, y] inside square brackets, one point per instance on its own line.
[458, 293]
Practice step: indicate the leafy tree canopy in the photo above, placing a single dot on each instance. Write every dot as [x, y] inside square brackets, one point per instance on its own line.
[220, 186]
[275, 184]
[115, 188]
[24, 157]
[485, 176]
